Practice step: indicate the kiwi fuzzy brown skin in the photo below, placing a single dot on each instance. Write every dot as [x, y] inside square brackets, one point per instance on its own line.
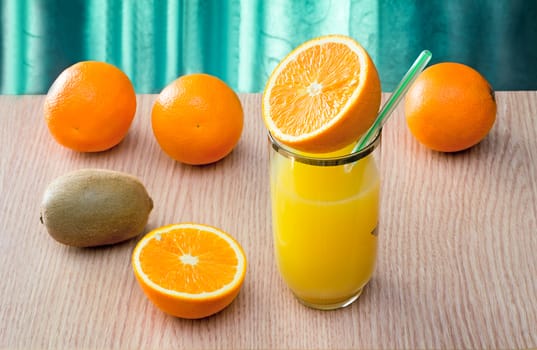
[95, 207]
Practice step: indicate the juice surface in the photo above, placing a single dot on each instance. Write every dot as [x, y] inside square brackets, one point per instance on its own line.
[324, 223]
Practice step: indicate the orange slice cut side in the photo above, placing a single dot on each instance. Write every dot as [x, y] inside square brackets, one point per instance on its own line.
[189, 270]
[323, 96]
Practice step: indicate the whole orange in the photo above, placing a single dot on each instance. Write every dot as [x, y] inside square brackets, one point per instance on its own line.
[450, 107]
[197, 119]
[90, 106]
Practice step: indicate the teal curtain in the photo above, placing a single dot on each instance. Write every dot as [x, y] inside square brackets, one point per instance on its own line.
[241, 41]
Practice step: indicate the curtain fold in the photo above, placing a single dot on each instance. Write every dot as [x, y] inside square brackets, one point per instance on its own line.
[241, 41]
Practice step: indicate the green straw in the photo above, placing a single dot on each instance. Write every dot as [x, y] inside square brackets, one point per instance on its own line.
[401, 89]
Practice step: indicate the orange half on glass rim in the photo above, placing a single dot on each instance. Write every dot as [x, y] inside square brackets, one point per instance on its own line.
[323, 96]
[189, 270]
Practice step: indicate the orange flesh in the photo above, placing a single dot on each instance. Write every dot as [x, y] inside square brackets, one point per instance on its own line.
[189, 261]
[317, 94]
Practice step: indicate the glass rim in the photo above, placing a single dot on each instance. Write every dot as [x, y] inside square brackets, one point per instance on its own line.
[325, 161]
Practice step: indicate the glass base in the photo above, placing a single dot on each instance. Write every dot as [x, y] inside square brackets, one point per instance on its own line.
[330, 304]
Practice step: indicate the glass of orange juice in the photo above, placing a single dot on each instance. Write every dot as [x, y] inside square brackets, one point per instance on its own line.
[325, 211]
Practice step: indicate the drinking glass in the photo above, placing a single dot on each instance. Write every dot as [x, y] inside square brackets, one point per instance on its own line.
[325, 212]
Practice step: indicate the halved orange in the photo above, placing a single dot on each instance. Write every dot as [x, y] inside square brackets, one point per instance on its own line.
[189, 270]
[323, 96]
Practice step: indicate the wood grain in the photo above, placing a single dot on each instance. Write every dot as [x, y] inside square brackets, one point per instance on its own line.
[457, 261]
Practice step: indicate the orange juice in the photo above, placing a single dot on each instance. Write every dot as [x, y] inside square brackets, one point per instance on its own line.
[324, 221]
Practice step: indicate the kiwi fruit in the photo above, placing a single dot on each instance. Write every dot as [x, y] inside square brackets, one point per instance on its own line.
[95, 207]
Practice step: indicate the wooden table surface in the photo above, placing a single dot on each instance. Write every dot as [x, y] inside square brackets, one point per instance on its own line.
[457, 264]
